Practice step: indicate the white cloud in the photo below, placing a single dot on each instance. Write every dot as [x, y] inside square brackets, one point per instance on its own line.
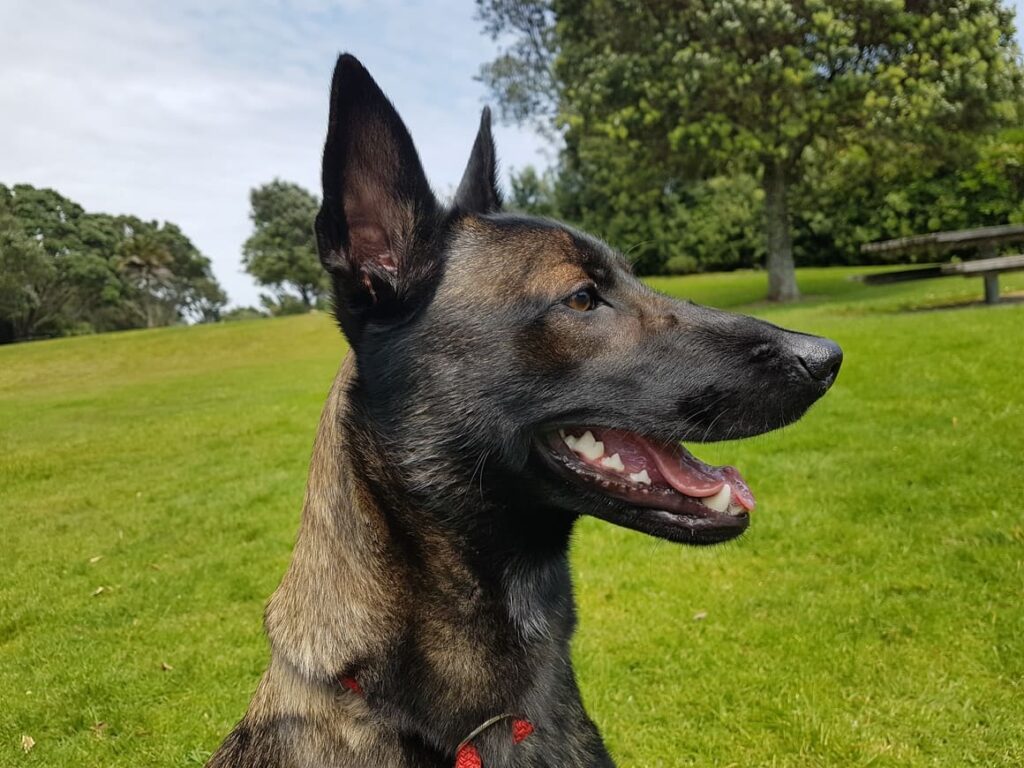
[174, 111]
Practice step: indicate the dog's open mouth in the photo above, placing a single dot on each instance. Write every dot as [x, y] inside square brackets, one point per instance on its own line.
[679, 496]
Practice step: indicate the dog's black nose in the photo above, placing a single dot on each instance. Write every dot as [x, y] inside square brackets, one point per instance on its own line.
[820, 357]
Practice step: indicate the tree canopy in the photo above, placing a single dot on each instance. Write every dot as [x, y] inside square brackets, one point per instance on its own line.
[281, 252]
[64, 270]
[654, 97]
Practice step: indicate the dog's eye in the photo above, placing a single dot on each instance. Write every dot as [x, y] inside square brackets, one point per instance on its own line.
[583, 300]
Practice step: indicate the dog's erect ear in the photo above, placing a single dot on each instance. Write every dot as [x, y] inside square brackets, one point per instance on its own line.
[378, 215]
[478, 191]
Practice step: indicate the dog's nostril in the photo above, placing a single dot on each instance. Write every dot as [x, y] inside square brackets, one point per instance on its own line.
[821, 358]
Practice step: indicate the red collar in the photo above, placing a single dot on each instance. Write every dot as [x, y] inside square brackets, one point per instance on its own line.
[466, 755]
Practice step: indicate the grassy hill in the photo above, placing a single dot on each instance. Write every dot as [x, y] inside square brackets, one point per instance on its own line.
[150, 487]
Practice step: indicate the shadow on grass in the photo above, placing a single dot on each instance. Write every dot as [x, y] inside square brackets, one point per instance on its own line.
[1006, 299]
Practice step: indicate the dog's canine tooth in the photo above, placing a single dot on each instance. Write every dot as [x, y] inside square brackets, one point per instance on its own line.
[613, 462]
[720, 501]
[640, 477]
[588, 447]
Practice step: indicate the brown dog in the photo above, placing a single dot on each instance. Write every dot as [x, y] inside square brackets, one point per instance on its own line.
[507, 375]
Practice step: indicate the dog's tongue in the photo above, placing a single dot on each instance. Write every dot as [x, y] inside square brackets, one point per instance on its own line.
[684, 471]
[692, 477]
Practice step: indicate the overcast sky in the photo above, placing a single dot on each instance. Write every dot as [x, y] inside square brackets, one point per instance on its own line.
[174, 110]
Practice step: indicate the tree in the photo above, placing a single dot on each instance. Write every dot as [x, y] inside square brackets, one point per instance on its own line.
[523, 76]
[281, 252]
[166, 277]
[63, 270]
[61, 278]
[23, 265]
[671, 91]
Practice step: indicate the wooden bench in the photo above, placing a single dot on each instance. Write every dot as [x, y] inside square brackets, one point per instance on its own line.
[987, 269]
[985, 240]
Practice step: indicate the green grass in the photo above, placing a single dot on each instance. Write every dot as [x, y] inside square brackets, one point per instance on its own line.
[872, 616]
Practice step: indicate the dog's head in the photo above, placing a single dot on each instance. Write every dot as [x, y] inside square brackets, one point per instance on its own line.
[519, 364]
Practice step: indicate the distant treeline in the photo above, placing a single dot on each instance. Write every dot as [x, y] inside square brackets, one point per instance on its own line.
[65, 271]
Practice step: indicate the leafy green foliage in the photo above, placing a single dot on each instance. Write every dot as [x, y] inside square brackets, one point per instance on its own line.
[242, 313]
[68, 271]
[707, 225]
[164, 278]
[283, 304]
[654, 96]
[281, 253]
[871, 615]
[534, 193]
[719, 220]
[23, 266]
[888, 189]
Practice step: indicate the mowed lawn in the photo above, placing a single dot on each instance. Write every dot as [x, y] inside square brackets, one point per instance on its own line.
[151, 482]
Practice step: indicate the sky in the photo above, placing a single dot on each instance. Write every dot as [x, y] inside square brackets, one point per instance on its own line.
[175, 110]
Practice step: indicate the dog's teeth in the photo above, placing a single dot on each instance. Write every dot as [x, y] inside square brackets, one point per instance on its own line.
[569, 440]
[613, 462]
[588, 447]
[720, 501]
[640, 477]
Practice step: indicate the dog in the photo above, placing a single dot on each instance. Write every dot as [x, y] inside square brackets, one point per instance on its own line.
[506, 376]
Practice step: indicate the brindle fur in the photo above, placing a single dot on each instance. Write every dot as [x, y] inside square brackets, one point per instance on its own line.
[431, 563]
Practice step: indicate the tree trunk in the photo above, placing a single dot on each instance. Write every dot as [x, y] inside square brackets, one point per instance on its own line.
[778, 238]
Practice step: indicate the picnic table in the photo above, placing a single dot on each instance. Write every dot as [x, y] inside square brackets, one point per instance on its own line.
[984, 240]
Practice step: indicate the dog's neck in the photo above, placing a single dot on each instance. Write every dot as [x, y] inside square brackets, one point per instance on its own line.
[358, 564]
[337, 577]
